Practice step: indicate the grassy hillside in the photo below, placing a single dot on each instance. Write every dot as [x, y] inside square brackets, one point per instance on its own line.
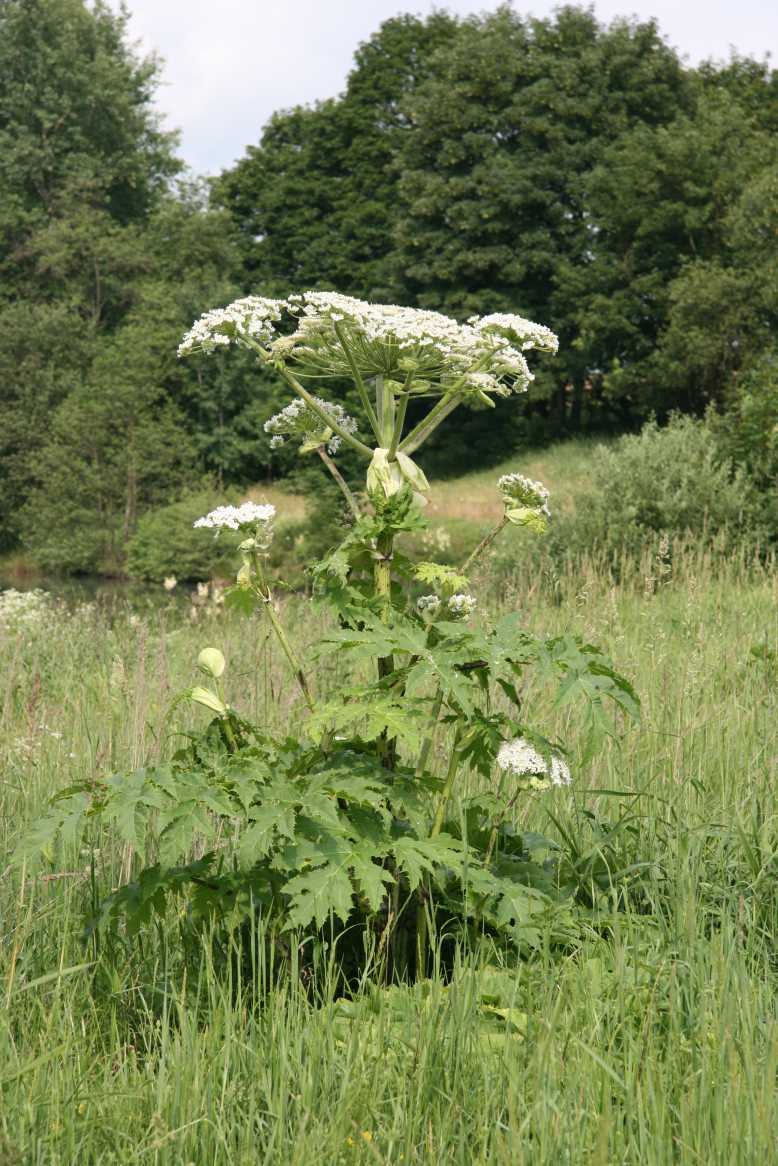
[565, 467]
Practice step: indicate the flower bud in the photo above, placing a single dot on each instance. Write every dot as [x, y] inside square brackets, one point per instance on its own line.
[383, 477]
[413, 473]
[211, 662]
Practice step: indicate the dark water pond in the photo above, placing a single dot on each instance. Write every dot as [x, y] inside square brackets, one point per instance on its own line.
[106, 593]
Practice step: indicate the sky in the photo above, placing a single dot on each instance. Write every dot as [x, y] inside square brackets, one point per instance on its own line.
[228, 65]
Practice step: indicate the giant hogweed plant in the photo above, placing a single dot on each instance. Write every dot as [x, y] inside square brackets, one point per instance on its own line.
[356, 827]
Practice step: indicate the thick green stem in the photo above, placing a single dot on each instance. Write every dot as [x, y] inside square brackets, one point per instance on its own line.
[484, 543]
[416, 435]
[386, 411]
[341, 481]
[382, 575]
[364, 397]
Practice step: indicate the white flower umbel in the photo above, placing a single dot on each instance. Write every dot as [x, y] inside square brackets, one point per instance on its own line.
[520, 491]
[461, 605]
[253, 316]
[417, 350]
[24, 609]
[425, 351]
[238, 517]
[521, 759]
[299, 420]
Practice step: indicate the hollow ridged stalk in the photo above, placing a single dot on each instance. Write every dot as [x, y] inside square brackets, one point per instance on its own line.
[399, 420]
[382, 576]
[385, 409]
[453, 397]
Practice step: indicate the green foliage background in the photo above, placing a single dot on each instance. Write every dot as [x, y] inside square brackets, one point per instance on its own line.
[576, 172]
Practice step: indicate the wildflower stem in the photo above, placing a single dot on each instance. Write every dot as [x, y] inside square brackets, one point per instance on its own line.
[329, 421]
[364, 396]
[445, 793]
[496, 827]
[263, 590]
[225, 721]
[291, 656]
[341, 481]
[447, 404]
[484, 543]
[426, 747]
[437, 825]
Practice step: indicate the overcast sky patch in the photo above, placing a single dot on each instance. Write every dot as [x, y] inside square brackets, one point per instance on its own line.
[228, 66]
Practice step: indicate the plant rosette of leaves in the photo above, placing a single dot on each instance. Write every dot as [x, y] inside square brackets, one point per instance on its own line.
[353, 826]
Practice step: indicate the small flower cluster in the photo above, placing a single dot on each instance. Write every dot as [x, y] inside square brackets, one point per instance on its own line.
[436, 538]
[460, 606]
[237, 517]
[526, 334]
[299, 420]
[521, 759]
[520, 491]
[207, 600]
[253, 316]
[27, 747]
[24, 610]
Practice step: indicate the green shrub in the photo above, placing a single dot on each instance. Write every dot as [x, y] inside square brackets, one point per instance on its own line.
[747, 433]
[672, 480]
[165, 542]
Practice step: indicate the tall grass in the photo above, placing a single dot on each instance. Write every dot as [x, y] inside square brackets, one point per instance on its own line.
[654, 1043]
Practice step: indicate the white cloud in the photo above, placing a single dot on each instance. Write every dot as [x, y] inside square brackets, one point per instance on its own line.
[229, 65]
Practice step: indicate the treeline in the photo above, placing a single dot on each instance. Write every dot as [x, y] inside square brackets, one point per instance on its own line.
[580, 174]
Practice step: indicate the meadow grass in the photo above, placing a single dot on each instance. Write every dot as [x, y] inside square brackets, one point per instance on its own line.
[656, 1042]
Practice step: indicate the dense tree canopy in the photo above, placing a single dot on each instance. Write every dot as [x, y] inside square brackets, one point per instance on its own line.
[316, 201]
[494, 175]
[102, 265]
[575, 172]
